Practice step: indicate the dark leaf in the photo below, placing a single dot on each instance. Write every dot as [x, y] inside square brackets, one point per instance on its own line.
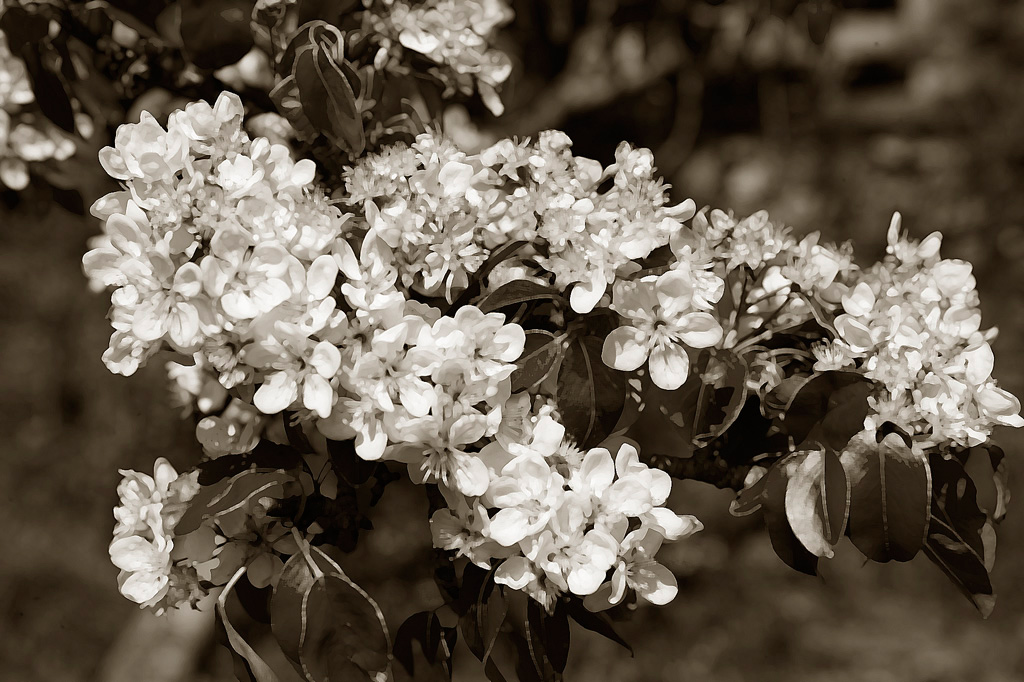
[23, 29]
[956, 532]
[327, 98]
[141, 15]
[817, 499]
[50, 89]
[445, 576]
[986, 466]
[776, 401]
[286, 604]
[305, 35]
[349, 466]
[248, 664]
[266, 455]
[829, 408]
[435, 642]
[724, 395]
[596, 622]
[549, 635]
[590, 394]
[529, 668]
[540, 354]
[663, 422]
[889, 427]
[216, 33]
[255, 600]
[70, 200]
[231, 494]
[819, 20]
[498, 256]
[890, 497]
[515, 292]
[332, 11]
[482, 611]
[784, 541]
[341, 632]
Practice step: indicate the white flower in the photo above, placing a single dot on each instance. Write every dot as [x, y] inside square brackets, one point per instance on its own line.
[661, 327]
[145, 567]
[150, 508]
[637, 569]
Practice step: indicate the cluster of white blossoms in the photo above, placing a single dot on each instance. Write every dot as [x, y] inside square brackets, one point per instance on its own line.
[223, 250]
[456, 35]
[562, 521]
[219, 246]
[444, 212]
[143, 544]
[912, 323]
[25, 136]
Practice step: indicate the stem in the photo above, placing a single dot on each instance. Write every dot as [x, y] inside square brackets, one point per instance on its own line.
[704, 466]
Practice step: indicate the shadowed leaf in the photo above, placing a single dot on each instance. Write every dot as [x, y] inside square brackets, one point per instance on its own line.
[817, 500]
[890, 493]
[957, 533]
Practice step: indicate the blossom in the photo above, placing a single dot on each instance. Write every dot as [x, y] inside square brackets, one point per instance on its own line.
[150, 507]
[455, 35]
[26, 136]
[662, 324]
[912, 324]
[636, 569]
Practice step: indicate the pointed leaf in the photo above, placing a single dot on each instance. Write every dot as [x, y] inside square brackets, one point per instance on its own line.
[327, 98]
[784, 541]
[590, 394]
[890, 497]
[247, 661]
[515, 292]
[233, 494]
[435, 643]
[725, 394]
[817, 500]
[540, 354]
[596, 622]
[341, 631]
[957, 533]
[829, 408]
[216, 33]
[549, 635]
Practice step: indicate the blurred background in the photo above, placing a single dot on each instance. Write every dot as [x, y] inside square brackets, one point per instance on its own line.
[830, 114]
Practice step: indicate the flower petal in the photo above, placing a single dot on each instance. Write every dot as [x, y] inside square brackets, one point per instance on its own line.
[670, 366]
[278, 392]
[625, 349]
[655, 583]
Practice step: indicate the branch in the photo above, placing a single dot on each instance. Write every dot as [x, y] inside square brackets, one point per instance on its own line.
[705, 465]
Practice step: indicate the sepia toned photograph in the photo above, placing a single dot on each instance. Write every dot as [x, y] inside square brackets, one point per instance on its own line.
[511, 340]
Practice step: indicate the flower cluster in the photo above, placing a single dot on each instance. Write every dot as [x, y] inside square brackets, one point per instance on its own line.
[143, 545]
[563, 521]
[912, 323]
[785, 273]
[666, 317]
[444, 211]
[219, 246]
[455, 35]
[414, 385]
[378, 318]
[25, 136]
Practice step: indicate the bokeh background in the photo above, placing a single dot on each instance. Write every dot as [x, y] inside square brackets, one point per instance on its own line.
[830, 114]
